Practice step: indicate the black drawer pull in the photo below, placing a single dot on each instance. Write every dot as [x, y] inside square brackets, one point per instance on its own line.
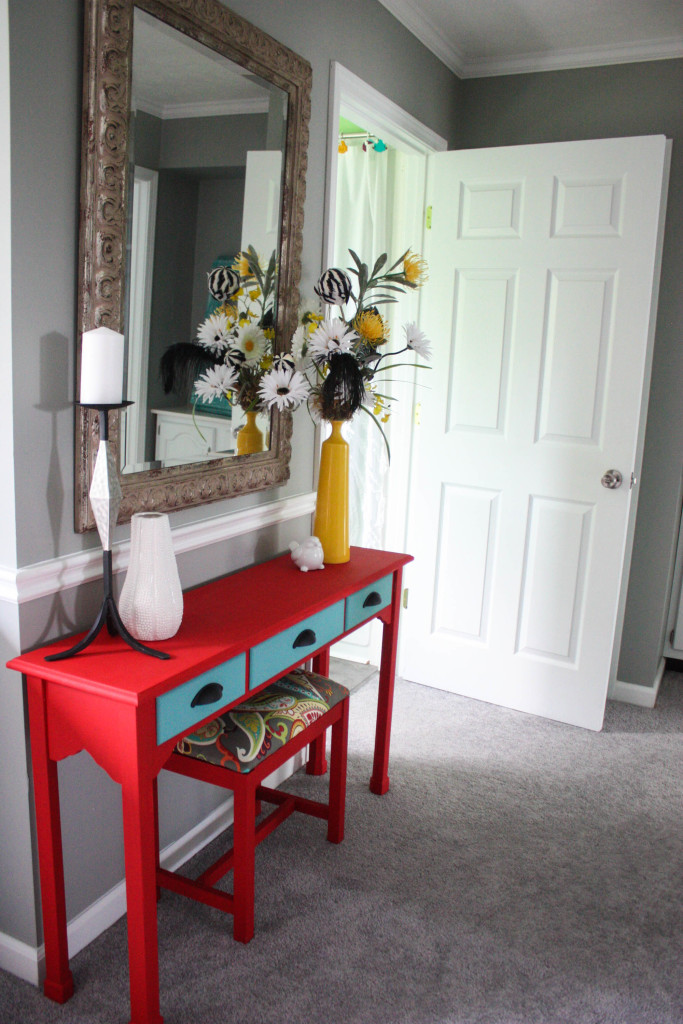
[305, 638]
[208, 694]
[373, 598]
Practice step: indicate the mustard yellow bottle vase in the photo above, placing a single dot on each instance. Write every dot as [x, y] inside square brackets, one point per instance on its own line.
[249, 438]
[331, 525]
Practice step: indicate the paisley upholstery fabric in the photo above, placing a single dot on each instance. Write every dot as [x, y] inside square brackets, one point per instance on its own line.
[243, 737]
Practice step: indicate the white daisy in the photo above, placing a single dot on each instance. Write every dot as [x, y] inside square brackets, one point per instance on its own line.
[250, 340]
[215, 382]
[300, 345]
[284, 388]
[331, 336]
[416, 340]
[214, 333]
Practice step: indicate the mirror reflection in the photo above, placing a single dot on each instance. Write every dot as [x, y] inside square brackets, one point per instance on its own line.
[206, 162]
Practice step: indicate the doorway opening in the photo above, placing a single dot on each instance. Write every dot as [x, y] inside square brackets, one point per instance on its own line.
[375, 203]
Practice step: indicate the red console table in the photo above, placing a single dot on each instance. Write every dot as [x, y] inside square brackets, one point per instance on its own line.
[128, 711]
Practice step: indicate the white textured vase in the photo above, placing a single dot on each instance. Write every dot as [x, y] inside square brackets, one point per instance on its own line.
[151, 603]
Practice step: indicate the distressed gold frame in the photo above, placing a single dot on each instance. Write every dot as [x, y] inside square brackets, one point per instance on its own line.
[102, 248]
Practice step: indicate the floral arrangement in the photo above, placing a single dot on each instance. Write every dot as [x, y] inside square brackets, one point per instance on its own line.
[233, 351]
[336, 364]
[345, 357]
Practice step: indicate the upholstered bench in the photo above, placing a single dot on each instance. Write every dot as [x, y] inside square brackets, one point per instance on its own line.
[238, 750]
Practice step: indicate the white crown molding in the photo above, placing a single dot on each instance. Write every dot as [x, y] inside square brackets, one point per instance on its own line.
[18, 586]
[411, 14]
[584, 57]
[215, 108]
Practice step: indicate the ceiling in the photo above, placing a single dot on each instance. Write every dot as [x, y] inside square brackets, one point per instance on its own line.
[174, 76]
[478, 38]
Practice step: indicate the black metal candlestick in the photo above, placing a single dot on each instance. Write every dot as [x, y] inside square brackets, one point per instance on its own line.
[105, 498]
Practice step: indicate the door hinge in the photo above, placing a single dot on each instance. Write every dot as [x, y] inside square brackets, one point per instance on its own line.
[417, 414]
[634, 481]
[405, 597]
[428, 218]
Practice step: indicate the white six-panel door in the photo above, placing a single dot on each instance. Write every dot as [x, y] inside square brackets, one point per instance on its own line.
[543, 262]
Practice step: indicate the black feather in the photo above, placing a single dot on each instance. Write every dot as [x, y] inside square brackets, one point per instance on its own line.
[180, 366]
[343, 388]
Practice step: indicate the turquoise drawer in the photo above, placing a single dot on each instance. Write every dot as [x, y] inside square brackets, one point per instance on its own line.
[278, 653]
[368, 601]
[181, 708]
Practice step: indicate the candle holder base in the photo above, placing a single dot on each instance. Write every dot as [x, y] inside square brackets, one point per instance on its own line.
[109, 615]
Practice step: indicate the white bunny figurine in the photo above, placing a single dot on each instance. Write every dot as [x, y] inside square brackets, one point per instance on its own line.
[308, 554]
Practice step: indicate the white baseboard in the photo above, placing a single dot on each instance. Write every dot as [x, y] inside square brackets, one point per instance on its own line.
[21, 959]
[633, 693]
[28, 962]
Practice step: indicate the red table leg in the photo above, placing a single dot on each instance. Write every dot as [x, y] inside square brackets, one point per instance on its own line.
[58, 984]
[379, 781]
[141, 890]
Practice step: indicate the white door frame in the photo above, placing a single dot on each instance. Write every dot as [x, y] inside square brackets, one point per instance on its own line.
[351, 97]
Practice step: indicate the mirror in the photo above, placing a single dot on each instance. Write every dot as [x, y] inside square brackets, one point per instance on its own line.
[194, 151]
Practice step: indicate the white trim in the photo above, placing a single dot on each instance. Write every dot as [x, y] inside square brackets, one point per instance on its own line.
[209, 108]
[584, 57]
[56, 574]
[351, 97]
[22, 960]
[28, 963]
[634, 693]
[411, 14]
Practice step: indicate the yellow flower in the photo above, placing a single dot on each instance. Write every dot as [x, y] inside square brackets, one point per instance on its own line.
[254, 294]
[415, 269]
[371, 328]
[228, 310]
[242, 265]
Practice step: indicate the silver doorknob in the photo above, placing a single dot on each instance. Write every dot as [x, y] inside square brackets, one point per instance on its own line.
[612, 479]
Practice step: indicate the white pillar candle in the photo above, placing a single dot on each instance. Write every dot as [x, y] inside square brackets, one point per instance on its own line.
[102, 367]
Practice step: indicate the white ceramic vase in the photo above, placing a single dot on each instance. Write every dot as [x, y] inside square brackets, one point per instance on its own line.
[151, 603]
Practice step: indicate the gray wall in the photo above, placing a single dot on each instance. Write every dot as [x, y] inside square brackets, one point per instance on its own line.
[45, 164]
[603, 102]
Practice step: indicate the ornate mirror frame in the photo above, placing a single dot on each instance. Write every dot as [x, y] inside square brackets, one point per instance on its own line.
[102, 249]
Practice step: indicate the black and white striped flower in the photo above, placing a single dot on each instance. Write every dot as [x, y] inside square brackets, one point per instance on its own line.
[235, 357]
[334, 287]
[223, 283]
[284, 361]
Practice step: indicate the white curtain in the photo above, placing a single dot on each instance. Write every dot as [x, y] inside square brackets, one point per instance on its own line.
[364, 224]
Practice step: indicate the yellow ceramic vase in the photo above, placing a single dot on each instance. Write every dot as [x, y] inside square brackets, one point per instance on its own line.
[249, 438]
[332, 506]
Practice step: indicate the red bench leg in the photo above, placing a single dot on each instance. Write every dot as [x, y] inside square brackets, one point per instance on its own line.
[337, 795]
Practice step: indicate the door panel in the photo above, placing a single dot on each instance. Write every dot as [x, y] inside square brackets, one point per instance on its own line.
[543, 263]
